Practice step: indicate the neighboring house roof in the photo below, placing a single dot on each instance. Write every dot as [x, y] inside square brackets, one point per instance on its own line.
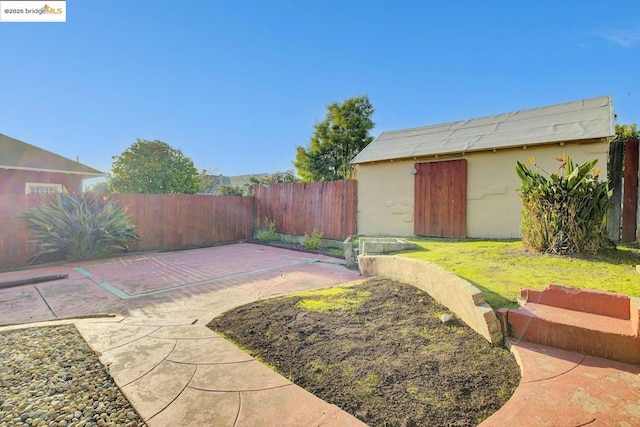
[18, 155]
[240, 180]
[579, 120]
[216, 180]
[212, 183]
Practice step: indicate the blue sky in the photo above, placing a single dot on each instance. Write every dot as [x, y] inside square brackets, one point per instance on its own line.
[238, 85]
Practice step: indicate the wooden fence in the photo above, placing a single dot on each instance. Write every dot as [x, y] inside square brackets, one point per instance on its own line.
[168, 221]
[15, 243]
[174, 221]
[622, 218]
[298, 208]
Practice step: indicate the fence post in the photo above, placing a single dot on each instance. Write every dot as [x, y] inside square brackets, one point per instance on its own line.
[615, 184]
[630, 193]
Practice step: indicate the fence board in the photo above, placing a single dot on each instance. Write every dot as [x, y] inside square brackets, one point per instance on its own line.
[298, 208]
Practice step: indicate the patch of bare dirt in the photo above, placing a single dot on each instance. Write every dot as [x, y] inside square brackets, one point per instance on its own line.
[380, 353]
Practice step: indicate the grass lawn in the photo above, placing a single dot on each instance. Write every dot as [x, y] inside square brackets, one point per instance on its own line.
[501, 268]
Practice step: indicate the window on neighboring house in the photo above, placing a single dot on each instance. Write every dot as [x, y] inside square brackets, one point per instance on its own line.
[42, 188]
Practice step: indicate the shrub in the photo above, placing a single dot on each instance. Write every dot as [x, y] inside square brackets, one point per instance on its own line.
[269, 233]
[313, 241]
[565, 212]
[231, 190]
[79, 227]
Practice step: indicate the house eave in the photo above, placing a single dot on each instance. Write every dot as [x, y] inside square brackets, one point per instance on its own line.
[461, 152]
[23, 168]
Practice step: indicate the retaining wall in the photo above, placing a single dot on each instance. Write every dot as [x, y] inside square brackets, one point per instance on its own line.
[453, 292]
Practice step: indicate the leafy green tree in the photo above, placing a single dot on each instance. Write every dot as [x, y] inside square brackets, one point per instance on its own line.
[626, 132]
[231, 190]
[266, 180]
[273, 178]
[101, 187]
[336, 141]
[153, 167]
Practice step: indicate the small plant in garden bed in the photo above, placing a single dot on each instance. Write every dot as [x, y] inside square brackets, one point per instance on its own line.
[80, 226]
[335, 252]
[312, 241]
[308, 243]
[269, 233]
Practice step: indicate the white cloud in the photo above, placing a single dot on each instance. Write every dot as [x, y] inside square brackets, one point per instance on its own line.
[622, 37]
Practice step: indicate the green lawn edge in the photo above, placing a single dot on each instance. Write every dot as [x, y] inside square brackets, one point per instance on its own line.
[501, 268]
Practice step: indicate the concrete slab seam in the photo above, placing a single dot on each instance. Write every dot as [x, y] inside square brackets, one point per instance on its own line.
[160, 326]
[56, 321]
[115, 291]
[240, 391]
[45, 301]
[558, 375]
[244, 248]
[15, 299]
[123, 295]
[154, 367]
[82, 271]
[177, 395]
[154, 255]
[235, 422]
[133, 340]
[512, 346]
[211, 363]
[587, 423]
[184, 338]
[266, 289]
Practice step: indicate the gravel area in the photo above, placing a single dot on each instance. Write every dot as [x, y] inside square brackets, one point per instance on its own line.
[50, 377]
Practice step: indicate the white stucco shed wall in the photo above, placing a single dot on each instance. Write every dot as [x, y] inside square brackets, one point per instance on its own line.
[386, 188]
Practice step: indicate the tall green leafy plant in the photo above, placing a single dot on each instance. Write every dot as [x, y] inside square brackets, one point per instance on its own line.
[80, 226]
[564, 212]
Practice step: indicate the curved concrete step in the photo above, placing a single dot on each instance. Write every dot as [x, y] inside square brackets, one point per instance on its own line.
[595, 323]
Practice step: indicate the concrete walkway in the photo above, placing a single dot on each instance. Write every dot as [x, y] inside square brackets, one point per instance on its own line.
[561, 388]
[171, 367]
[174, 370]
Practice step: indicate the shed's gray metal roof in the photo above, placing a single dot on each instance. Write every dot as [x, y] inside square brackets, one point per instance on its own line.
[572, 121]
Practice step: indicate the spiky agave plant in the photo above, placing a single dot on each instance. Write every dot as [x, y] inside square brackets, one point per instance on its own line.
[79, 226]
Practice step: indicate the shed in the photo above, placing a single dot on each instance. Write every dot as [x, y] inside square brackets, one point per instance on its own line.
[25, 168]
[458, 179]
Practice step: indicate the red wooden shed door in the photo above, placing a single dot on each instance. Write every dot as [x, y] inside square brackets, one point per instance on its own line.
[440, 199]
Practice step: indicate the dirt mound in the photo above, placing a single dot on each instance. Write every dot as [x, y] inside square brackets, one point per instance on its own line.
[379, 351]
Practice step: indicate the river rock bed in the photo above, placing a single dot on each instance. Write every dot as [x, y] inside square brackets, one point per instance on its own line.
[50, 377]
